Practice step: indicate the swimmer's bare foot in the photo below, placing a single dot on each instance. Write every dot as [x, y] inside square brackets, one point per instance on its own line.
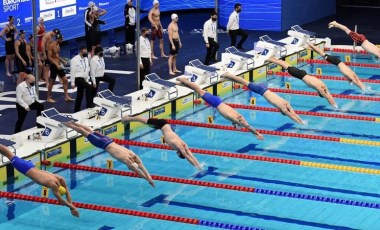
[8, 74]
[332, 24]
[154, 57]
[51, 100]
[164, 56]
[69, 99]
[171, 73]
[177, 71]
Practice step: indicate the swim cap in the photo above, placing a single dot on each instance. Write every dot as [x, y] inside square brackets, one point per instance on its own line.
[61, 190]
[10, 17]
[40, 19]
[155, 2]
[56, 31]
[174, 16]
[21, 32]
[91, 4]
[59, 36]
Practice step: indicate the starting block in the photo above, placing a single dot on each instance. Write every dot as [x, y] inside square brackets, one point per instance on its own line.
[7, 143]
[200, 73]
[271, 47]
[301, 36]
[158, 88]
[237, 60]
[112, 105]
[54, 129]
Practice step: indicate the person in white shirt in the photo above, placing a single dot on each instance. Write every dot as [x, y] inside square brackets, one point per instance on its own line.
[130, 22]
[26, 100]
[97, 67]
[209, 36]
[79, 77]
[145, 55]
[233, 28]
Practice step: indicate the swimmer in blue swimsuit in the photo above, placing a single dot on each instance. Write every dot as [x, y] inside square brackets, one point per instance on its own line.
[56, 183]
[225, 110]
[278, 102]
[348, 73]
[309, 80]
[170, 137]
[118, 152]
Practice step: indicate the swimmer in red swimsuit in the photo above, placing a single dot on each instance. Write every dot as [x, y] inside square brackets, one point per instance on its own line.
[360, 39]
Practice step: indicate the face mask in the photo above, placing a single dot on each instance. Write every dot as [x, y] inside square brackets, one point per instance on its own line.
[238, 11]
[85, 54]
[100, 54]
[147, 35]
[31, 84]
[214, 19]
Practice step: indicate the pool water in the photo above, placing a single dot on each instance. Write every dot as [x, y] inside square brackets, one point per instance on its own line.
[234, 207]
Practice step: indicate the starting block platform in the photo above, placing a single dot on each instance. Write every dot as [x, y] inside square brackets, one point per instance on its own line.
[236, 60]
[201, 73]
[301, 36]
[271, 47]
[112, 105]
[158, 88]
[53, 122]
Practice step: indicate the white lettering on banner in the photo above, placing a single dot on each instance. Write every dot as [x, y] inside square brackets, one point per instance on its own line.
[48, 15]
[69, 11]
[28, 19]
[82, 8]
[103, 3]
[52, 4]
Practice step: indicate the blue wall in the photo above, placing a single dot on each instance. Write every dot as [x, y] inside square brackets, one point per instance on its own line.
[255, 15]
[298, 12]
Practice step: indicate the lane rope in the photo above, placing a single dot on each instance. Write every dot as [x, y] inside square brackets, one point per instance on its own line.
[255, 158]
[223, 186]
[275, 133]
[129, 212]
[324, 62]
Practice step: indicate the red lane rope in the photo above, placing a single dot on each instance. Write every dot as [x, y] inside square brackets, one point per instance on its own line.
[274, 133]
[301, 92]
[323, 62]
[341, 50]
[155, 177]
[301, 112]
[102, 208]
[324, 77]
[211, 152]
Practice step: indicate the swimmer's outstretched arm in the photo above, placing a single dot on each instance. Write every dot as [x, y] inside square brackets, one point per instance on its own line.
[235, 78]
[62, 201]
[135, 118]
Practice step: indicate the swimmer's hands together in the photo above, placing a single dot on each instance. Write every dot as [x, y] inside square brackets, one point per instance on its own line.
[74, 212]
[259, 136]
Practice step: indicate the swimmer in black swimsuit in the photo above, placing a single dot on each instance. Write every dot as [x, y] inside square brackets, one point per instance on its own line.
[225, 110]
[118, 152]
[56, 183]
[278, 102]
[309, 80]
[170, 137]
[344, 69]
[360, 39]
[10, 33]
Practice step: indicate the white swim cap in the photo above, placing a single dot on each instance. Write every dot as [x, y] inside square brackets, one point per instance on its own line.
[40, 19]
[91, 3]
[174, 16]
[155, 2]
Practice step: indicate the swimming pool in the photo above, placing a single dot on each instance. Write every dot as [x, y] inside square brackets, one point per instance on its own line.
[287, 196]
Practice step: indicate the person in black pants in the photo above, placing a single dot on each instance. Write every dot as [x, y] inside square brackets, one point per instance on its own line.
[97, 68]
[233, 28]
[209, 36]
[145, 55]
[26, 100]
[79, 77]
[130, 22]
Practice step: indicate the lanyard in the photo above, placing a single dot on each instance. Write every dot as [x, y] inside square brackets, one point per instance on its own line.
[83, 63]
[147, 43]
[101, 62]
[31, 92]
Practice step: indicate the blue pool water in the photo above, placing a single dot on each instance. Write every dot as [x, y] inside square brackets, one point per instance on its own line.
[233, 207]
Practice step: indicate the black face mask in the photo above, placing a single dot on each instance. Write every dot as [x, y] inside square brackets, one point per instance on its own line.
[238, 11]
[147, 35]
[101, 54]
[214, 19]
[31, 84]
[85, 54]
